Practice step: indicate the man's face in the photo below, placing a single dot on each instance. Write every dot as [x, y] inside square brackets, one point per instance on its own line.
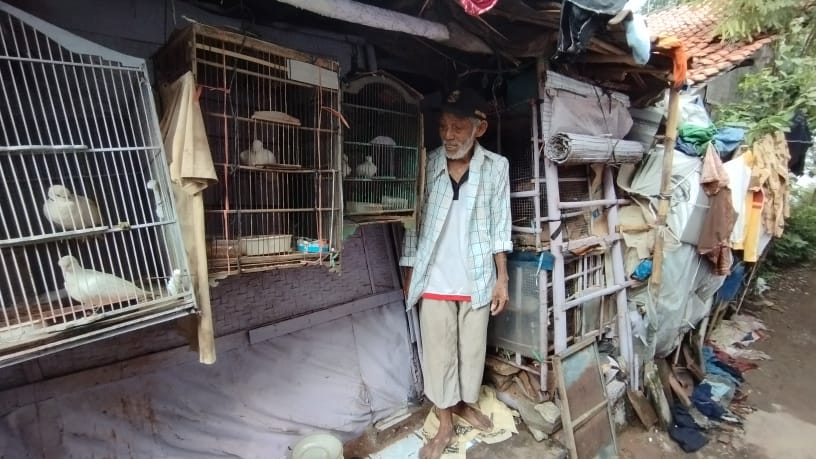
[458, 134]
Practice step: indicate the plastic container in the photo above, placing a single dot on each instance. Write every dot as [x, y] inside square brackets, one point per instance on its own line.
[266, 245]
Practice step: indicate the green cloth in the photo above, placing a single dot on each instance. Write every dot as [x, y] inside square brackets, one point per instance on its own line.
[697, 136]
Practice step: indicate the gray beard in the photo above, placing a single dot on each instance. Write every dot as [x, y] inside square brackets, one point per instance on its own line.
[463, 150]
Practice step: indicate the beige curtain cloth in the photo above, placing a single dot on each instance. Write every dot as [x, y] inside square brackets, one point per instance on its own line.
[191, 171]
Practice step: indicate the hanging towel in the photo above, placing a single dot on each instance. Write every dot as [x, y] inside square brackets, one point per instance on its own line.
[638, 39]
[580, 19]
[715, 238]
[191, 171]
[726, 140]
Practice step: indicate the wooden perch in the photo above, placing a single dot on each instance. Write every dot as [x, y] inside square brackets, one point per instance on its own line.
[384, 19]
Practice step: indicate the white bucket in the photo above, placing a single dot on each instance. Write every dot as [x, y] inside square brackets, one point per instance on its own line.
[318, 446]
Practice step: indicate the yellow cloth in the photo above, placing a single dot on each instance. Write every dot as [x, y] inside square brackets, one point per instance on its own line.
[770, 172]
[191, 171]
[504, 426]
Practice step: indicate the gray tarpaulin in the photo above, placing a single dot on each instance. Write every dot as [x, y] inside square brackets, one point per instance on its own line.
[255, 402]
[689, 282]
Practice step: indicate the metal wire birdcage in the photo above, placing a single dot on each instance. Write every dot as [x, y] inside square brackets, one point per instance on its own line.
[381, 148]
[89, 243]
[272, 119]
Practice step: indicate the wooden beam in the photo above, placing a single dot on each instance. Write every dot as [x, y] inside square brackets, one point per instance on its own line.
[394, 21]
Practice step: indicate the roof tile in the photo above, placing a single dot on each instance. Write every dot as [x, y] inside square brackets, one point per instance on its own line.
[695, 24]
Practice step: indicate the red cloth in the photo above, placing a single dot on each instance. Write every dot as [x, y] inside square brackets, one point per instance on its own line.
[477, 7]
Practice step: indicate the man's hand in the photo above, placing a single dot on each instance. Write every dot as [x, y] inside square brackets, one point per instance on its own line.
[500, 297]
[406, 284]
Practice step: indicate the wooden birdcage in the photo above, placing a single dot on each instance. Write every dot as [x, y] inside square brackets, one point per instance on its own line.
[272, 118]
[381, 149]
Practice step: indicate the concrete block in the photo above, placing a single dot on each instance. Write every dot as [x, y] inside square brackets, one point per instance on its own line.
[551, 416]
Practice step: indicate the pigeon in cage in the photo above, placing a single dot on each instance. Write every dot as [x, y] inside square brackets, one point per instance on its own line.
[175, 284]
[257, 155]
[69, 211]
[153, 186]
[346, 167]
[94, 288]
[367, 169]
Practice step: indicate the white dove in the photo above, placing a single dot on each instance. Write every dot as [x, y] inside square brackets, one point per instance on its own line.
[154, 187]
[257, 155]
[94, 288]
[175, 284]
[69, 211]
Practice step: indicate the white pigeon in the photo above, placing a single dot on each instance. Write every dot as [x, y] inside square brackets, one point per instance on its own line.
[69, 211]
[94, 288]
[257, 155]
[154, 187]
[175, 283]
[346, 167]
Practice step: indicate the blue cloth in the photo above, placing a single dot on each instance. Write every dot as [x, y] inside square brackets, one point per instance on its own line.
[643, 270]
[685, 431]
[686, 148]
[701, 397]
[727, 140]
[715, 367]
[732, 283]
[638, 39]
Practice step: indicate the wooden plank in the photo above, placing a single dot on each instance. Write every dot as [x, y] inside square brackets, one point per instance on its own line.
[285, 327]
[643, 409]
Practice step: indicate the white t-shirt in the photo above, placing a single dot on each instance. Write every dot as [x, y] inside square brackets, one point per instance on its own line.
[449, 274]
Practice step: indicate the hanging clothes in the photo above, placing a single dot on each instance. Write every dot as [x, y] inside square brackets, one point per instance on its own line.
[580, 19]
[799, 142]
[697, 136]
[771, 158]
[715, 238]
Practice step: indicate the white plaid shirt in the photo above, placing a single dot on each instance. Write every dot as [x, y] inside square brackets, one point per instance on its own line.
[488, 204]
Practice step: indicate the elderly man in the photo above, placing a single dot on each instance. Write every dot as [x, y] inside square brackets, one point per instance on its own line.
[457, 266]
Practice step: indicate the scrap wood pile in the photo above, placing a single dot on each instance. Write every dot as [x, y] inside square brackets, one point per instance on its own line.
[698, 392]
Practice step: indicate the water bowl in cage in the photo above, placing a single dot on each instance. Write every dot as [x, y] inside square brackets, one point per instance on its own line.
[266, 245]
[312, 245]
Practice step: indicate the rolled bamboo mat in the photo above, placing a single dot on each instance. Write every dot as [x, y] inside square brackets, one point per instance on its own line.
[572, 149]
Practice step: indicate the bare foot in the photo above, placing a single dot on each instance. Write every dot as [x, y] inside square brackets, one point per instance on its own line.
[437, 445]
[473, 416]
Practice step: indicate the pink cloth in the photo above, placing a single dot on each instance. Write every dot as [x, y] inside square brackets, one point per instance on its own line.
[477, 7]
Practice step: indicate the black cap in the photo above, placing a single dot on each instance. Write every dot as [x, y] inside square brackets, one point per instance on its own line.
[465, 102]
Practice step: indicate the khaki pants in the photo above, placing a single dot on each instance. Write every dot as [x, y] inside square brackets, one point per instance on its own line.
[454, 342]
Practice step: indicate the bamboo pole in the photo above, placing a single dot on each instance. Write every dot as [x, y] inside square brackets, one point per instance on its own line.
[665, 190]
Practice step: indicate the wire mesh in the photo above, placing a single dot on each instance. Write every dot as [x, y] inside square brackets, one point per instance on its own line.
[274, 142]
[381, 147]
[87, 228]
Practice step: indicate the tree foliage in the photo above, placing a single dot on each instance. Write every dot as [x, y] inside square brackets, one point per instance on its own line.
[767, 99]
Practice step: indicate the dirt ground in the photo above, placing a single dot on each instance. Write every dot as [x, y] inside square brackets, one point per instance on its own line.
[781, 390]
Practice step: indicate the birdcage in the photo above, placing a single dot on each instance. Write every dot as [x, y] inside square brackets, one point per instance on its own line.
[381, 148]
[272, 119]
[89, 243]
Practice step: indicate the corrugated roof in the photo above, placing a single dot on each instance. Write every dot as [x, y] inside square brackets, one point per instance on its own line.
[695, 25]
